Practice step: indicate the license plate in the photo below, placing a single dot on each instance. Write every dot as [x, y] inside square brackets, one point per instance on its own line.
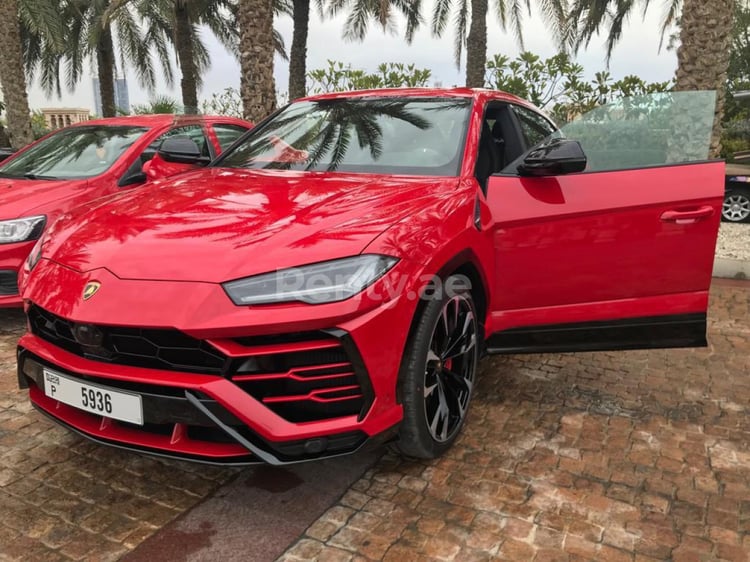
[94, 398]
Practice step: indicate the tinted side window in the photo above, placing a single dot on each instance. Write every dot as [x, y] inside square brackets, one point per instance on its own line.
[535, 127]
[227, 134]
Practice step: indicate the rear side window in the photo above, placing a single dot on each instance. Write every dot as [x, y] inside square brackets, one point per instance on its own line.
[227, 134]
[535, 127]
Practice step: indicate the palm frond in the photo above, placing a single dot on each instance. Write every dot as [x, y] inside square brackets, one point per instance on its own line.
[461, 23]
[440, 15]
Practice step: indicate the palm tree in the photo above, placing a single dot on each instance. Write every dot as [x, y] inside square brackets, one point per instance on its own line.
[92, 29]
[257, 87]
[471, 16]
[22, 19]
[298, 50]
[705, 36]
[12, 75]
[704, 53]
[361, 13]
[176, 23]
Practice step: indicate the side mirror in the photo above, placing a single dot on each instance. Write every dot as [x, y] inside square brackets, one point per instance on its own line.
[182, 150]
[557, 157]
[133, 176]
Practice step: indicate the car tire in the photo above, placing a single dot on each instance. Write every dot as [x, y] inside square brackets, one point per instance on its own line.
[437, 372]
[736, 207]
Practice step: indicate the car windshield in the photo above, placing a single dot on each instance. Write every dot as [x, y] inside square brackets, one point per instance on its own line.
[657, 129]
[77, 152]
[412, 136]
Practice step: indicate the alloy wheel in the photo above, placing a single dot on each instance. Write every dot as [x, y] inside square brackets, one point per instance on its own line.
[450, 368]
[736, 207]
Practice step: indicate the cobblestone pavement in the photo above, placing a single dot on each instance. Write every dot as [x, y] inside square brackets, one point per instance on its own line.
[63, 498]
[610, 456]
[734, 241]
[631, 456]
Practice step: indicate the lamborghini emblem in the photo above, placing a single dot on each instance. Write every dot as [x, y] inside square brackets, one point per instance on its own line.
[90, 289]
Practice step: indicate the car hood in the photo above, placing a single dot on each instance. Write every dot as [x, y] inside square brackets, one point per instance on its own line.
[216, 225]
[21, 197]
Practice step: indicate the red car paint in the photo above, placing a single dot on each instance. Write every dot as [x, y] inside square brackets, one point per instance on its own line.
[26, 197]
[545, 254]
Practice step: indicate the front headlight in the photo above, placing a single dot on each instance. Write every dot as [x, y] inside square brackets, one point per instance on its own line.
[21, 230]
[324, 282]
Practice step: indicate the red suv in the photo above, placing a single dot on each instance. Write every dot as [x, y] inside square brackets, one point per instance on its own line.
[335, 276]
[77, 164]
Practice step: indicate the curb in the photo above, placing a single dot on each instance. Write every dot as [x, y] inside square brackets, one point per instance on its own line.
[727, 268]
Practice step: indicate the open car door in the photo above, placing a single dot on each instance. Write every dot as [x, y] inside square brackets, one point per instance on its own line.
[620, 255]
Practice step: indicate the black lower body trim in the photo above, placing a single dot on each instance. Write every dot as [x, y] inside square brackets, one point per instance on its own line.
[680, 330]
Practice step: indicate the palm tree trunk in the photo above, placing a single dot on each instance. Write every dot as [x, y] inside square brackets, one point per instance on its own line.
[257, 87]
[12, 76]
[476, 45]
[704, 53]
[105, 66]
[183, 40]
[298, 54]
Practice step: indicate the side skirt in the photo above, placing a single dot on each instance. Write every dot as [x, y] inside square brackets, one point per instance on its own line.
[679, 330]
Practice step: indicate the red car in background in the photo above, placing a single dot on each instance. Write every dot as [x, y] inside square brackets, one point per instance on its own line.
[334, 277]
[77, 164]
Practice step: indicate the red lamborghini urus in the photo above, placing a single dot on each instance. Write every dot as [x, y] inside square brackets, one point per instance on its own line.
[336, 275]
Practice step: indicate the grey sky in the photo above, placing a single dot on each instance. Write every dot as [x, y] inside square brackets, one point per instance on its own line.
[637, 54]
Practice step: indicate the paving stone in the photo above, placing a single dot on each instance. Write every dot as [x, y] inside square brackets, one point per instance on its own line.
[617, 456]
[65, 498]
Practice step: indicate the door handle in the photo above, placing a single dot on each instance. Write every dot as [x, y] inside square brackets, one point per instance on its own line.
[686, 217]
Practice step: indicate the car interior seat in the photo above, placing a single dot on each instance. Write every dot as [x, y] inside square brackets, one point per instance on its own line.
[489, 158]
[504, 129]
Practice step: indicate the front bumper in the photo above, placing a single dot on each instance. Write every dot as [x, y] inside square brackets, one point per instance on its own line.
[296, 395]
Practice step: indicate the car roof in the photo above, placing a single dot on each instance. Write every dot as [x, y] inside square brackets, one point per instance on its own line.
[160, 120]
[475, 93]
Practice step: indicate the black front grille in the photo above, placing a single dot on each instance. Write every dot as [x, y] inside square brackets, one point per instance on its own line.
[302, 377]
[169, 350]
[8, 282]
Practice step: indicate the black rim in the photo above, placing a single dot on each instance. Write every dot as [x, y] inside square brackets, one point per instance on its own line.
[450, 368]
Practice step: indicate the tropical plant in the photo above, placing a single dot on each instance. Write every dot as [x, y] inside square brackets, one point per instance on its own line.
[228, 102]
[469, 21]
[157, 105]
[557, 84]
[257, 87]
[38, 125]
[360, 13]
[705, 36]
[337, 77]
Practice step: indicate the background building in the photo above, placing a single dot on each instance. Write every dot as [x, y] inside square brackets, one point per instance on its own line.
[122, 97]
[58, 117]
